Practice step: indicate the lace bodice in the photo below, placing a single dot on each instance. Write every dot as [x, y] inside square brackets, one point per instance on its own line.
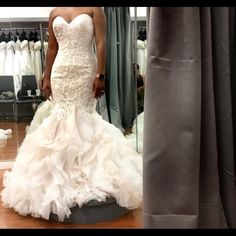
[24, 46]
[74, 68]
[17, 45]
[31, 45]
[37, 45]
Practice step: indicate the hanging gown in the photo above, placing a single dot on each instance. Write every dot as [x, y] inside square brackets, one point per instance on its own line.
[137, 133]
[142, 56]
[38, 61]
[2, 57]
[32, 54]
[45, 49]
[26, 65]
[9, 66]
[145, 58]
[17, 66]
[72, 156]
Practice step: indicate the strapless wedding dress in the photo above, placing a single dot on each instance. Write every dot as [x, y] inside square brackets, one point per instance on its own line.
[9, 66]
[71, 155]
[2, 57]
[17, 66]
[26, 64]
[37, 61]
[142, 56]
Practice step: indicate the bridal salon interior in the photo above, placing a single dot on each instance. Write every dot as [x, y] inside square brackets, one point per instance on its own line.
[23, 48]
[156, 150]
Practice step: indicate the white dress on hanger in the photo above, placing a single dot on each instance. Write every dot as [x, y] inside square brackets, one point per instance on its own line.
[37, 61]
[45, 49]
[2, 57]
[134, 135]
[26, 65]
[32, 54]
[9, 66]
[17, 66]
[141, 56]
[145, 57]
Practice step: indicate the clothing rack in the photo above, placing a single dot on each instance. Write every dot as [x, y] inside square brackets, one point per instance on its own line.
[23, 28]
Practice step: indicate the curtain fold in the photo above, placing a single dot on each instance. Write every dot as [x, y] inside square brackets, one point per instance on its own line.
[120, 82]
[189, 176]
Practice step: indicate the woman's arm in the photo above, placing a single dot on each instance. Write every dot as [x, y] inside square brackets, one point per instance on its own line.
[50, 57]
[99, 20]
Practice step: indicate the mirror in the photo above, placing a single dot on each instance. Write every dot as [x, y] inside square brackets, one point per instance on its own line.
[5, 37]
[138, 16]
[141, 55]
[124, 96]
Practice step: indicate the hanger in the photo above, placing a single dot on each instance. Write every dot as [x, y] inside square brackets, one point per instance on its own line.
[36, 36]
[17, 33]
[23, 36]
[9, 35]
[31, 36]
[14, 37]
[3, 35]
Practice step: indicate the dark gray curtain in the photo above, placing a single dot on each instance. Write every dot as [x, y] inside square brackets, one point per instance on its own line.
[120, 95]
[189, 176]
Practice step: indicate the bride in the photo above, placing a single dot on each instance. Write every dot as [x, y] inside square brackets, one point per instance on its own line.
[73, 156]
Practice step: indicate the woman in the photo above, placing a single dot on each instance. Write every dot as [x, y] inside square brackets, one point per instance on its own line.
[73, 156]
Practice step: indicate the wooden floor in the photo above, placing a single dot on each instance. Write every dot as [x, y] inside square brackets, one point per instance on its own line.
[10, 219]
[8, 148]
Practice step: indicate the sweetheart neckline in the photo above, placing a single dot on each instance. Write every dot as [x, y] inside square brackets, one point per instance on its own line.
[68, 23]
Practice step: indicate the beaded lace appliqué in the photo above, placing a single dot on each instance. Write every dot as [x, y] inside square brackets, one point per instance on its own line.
[74, 68]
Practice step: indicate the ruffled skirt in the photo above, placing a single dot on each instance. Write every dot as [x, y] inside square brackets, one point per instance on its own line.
[68, 159]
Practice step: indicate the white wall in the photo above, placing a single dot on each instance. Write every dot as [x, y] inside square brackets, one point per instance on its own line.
[42, 13]
[141, 11]
[24, 13]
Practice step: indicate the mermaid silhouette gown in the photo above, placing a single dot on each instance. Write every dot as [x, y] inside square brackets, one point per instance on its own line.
[72, 155]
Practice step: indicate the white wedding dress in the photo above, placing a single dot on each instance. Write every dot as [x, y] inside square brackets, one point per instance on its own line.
[37, 61]
[137, 133]
[45, 49]
[72, 155]
[9, 66]
[17, 66]
[2, 57]
[26, 63]
[142, 56]
[32, 54]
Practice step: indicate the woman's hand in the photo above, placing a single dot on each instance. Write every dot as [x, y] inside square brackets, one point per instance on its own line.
[47, 88]
[98, 88]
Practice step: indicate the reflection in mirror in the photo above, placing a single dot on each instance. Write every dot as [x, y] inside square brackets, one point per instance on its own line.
[6, 87]
[22, 53]
[140, 76]
[139, 67]
[24, 65]
[69, 150]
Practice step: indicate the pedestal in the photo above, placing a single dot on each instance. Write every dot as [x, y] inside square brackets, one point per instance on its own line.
[94, 212]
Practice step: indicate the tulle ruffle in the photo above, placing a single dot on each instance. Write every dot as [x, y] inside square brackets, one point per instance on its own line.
[69, 159]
